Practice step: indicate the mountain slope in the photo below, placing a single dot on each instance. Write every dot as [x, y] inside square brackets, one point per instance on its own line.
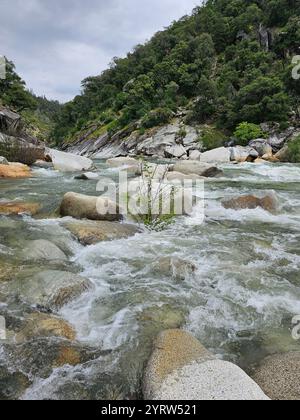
[229, 62]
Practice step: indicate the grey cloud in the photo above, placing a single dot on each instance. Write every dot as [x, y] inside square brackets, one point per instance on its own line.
[55, 44]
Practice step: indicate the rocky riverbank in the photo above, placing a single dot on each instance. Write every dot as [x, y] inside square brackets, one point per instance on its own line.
[85, 294]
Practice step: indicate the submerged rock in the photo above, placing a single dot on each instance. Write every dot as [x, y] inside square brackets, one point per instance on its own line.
[38, 357]
[50, 289]
[162, 318]
[43, 325]
[43, 250]
[67, 162]
[176, 267]
[197, 168]
[268, 203]
[13, 384]
[82, 206]
[17, 208]
[14, 171]
[88, 176]
[179, 177]
[90, 233]
[279, 376]
[182, 369]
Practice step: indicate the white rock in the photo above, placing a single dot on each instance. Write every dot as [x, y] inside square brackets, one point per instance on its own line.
[121, 161]
[176, 151]
[67, 162]
[180, 368]
[195, 155]
[214, 380]
[198, 168]
[220, 155]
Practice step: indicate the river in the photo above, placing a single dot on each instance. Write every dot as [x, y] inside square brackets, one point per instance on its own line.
[239, 303]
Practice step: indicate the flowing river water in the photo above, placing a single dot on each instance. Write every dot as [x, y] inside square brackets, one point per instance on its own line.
[239, 302]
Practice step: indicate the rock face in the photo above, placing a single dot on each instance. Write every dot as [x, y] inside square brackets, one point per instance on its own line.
[14, 171]
[43, 250]
[283, 155]
[49, 289]
[43, 325]
[15, 208]
[3, 161]
[90, 233]
[220, 155]
[197, 168]
[86, 207]
[279, 376]
[268, 203]
[182, 369]
[67, 162]
[262, 147]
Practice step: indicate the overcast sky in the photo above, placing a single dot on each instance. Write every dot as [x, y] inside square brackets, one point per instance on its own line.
[57, 43]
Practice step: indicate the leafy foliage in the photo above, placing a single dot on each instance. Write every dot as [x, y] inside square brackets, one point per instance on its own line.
[212, 62]
[246, 132]
[294, 150]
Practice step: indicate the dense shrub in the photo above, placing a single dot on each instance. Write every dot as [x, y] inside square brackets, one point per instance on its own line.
[157, 117]
[246, 132]
[294, 150]
[212, 139]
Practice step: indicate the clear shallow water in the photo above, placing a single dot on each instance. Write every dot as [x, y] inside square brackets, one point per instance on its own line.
[239, 302]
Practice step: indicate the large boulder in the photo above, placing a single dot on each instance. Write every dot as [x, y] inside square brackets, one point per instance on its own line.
[284, 154]
[49, 289]
[268, 203]
[82, 206]
[14, 171]
[43, 250]
[180, 368]
[197, 168]
[219, 155]
[90, 233]
[67, 162]
[262, 147]
[17, 208]
[279, 376]
[242, 154]
[43, 325]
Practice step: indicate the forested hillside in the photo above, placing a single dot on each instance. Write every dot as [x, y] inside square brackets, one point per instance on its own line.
[227, 63]
[39, 114]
